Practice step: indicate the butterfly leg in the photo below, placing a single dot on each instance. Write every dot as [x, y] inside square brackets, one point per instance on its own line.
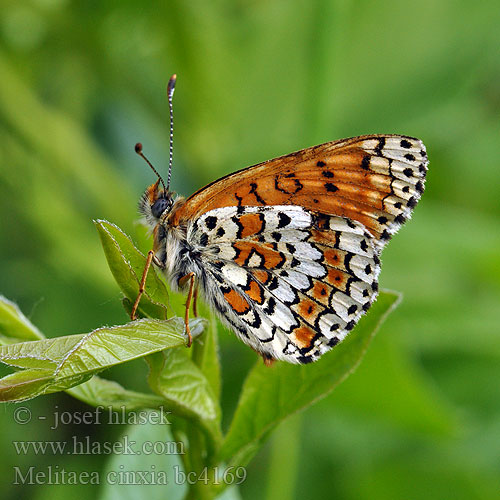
[183, 281]
[195, 302]
[142, 285]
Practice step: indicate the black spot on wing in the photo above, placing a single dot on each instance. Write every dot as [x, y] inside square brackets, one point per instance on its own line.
[365, 162]
[331, 188]
[380, 146]
[352, 309]
[253, 190]
[270, 307]
[211, 222]
[350, 325]
[333, 342]
[283, 220]
[304, 360]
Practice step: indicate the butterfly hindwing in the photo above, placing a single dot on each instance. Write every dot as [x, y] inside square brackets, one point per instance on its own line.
[290, 282]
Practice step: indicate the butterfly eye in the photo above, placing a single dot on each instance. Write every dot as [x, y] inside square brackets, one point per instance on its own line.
[159, 206]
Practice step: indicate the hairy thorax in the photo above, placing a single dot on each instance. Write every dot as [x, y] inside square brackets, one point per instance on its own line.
[172, 250]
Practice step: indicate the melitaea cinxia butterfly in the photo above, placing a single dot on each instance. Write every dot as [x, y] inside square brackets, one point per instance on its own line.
[287, 251]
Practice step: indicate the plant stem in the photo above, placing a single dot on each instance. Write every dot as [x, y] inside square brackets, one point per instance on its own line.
[284, 459]
[201, 486]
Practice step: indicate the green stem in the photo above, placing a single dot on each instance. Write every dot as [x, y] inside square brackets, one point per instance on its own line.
[202, 487]
[179, 435]
[284, 459]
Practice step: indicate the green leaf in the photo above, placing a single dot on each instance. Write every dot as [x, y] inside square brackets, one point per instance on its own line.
[14, 325]
[25, 384]
[270, 394]
[206, 355]
[73, 359]
[127, 265]
[186, 390]
[412, 402]
[101, 392]
[44, 354]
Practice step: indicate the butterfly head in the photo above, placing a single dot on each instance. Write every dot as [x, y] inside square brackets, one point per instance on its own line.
[155, 203]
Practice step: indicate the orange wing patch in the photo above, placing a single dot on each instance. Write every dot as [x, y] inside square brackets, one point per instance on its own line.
[332, 257]
[349, 178]
[321, 292]
[250, 224]
[253, 254]
[237, 302]
[263, 276]
[337, 278]
[254, 291]
[303, 336]
[308, 310]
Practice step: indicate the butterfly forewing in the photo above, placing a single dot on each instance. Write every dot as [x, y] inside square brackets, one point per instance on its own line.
[376, 180]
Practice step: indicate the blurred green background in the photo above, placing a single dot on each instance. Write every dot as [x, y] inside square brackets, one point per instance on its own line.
[81, 82]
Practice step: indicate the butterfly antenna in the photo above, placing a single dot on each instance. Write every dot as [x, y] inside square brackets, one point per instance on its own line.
[138, 150]
[170, 94]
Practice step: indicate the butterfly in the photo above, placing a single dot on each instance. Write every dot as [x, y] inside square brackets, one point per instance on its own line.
[287, 252]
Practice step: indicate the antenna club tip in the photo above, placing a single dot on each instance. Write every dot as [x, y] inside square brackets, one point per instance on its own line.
[138, 148]
[171, 83]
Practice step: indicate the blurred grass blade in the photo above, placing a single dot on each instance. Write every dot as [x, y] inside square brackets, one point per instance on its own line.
[270, 394]
[68, 361]
[61, 143]
[127, 265]
[14, 325]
